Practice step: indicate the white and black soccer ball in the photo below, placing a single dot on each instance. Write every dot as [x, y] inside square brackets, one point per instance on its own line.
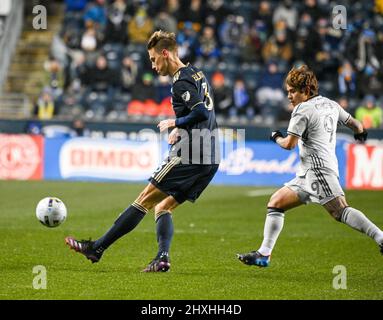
[51, 212]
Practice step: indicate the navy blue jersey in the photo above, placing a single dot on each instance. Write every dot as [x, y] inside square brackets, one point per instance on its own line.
[199, 143]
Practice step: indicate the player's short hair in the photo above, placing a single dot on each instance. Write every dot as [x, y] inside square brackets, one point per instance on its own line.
[160, 40]
[301, 78]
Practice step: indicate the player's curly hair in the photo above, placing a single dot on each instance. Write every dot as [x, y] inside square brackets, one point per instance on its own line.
[302, 78]
[162, 40]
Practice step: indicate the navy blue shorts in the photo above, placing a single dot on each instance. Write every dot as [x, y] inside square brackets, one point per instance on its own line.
[183, 181]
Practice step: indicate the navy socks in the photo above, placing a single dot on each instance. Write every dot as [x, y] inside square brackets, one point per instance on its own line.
[125, 223]
[165, 232]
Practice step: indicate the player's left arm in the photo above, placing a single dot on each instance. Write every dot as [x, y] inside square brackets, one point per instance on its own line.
[356, 126]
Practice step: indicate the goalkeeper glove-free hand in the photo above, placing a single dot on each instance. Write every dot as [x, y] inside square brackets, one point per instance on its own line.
[362, 137]
[275, 134]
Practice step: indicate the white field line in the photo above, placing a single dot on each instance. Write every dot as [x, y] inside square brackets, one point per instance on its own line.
[260, 192]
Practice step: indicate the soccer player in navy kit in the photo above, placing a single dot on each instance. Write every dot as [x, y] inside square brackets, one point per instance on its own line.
[192, 162]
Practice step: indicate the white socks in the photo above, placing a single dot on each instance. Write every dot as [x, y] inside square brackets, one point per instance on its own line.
[357, 220]
[273, 227]
[352, 217]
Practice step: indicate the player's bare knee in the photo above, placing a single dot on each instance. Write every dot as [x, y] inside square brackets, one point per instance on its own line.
[336, 214]
[144, 200]
[275, 202]
[336, 207]
[161, 207]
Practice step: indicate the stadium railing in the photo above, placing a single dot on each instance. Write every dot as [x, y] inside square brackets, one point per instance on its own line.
[12, 30]
[15, 105]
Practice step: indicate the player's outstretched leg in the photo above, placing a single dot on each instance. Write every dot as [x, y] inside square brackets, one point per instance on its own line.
[125, 223]
[165, 230]
[358, 221]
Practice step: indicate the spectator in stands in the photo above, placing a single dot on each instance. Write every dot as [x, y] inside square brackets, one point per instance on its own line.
[54, 77]
[347, 79]
[187, 42]
[325, 63]
[242, 101]
[269, 95]
[45, 107]
[312, 8]
[101, 82]
[233, 31]
[164, 21]
[254, 42]
[370, 114]
[194, 12]
[173, 7]
[75, 5]
[144, 89]
[72, 38]
[216, 12]
[90, 40]
[162, 86]
[278, 46]
[143, 97]
[116, 27]
[222, 96]
[100, 78]
[307, 42]
[207, 49]
[129, 73]
[288, 12]
[370, 81]
[265, 14]
[70, 103]
[96, 13]
[140, 27]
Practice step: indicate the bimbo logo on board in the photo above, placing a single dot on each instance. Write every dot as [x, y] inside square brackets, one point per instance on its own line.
[108, 159]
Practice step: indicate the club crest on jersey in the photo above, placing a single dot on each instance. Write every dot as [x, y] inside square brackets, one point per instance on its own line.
[186, 96]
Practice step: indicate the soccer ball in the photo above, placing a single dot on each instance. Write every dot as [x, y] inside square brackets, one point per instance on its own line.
[51, 212]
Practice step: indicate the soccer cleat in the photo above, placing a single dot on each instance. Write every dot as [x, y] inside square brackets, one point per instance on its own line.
[381, 248]
[159, 264]
[254, 258]
[85, 247]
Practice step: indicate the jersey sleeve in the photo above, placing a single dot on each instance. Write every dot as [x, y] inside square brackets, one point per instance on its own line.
[188, 93]
[344, 116]
[299, 121]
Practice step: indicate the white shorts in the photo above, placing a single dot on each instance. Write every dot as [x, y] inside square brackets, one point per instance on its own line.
[316, 186]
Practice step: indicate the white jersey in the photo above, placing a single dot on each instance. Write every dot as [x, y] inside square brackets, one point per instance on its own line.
[315, 122]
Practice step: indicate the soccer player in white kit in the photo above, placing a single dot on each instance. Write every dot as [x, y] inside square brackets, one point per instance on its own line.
[312, 126]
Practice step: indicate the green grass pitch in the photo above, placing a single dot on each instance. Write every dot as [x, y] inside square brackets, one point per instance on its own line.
[208, 234]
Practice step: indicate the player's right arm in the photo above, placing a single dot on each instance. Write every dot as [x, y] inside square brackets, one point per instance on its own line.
[297, 126]
[287, 143]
